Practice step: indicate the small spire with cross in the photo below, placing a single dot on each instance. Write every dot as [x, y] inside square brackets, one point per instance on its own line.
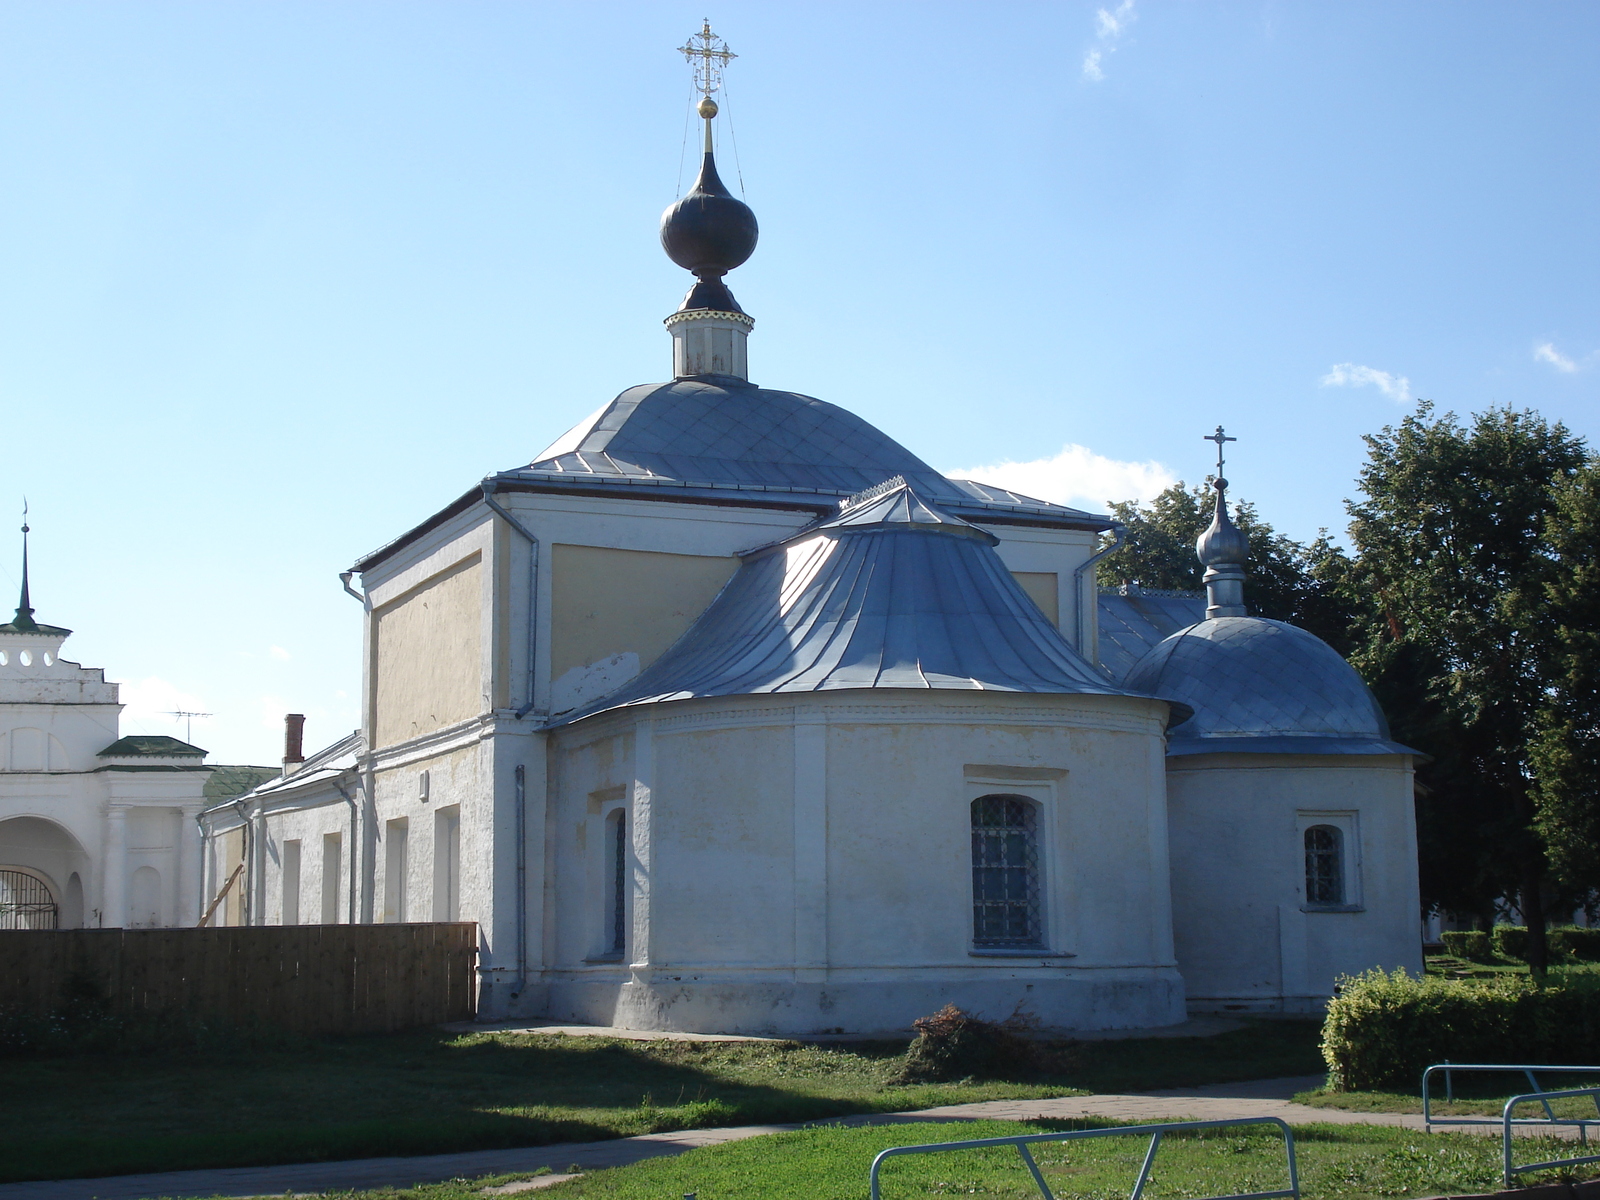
[1219, 438]
[24, 617]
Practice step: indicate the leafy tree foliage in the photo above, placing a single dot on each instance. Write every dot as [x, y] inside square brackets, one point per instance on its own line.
[1566, 755]
[1289, 580]
[1458, 637]
[1472, 607]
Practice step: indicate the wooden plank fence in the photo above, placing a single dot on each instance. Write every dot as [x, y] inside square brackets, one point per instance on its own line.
[308, 979]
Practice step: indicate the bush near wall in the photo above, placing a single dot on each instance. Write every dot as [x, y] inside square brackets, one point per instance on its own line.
[1383, 1030]
[1581, 943]
[1471, 944]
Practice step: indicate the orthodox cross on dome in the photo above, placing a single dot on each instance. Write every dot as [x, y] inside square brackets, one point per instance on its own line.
[1219, 438]
[707, 55]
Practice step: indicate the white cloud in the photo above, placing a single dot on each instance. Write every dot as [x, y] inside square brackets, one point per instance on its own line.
[1396, 387]
[1077, 477]
[1109, 26]
[152, 701]
[279, 653]
[1546, 352]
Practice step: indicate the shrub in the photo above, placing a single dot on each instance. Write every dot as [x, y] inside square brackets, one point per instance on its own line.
[1382, 1030]
[1564, 941]
[1511, 941]
[1581, 943]
[953, 1044]
[1472, 944]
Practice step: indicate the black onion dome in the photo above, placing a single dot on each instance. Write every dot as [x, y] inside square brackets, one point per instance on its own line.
[709, 231]
[1223, 542]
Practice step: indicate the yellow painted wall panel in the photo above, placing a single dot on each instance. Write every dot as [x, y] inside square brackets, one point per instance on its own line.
[1043, 588]
[607, 602]
[428, 651]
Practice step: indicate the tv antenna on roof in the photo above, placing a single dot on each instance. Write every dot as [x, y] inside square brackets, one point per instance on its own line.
[188, 720]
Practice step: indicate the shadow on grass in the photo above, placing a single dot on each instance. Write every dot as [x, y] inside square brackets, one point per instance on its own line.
[431, 1092]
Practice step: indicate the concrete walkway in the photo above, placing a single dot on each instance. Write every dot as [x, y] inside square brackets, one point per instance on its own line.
[1262, 1098]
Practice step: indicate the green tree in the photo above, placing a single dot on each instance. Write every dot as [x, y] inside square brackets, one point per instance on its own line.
[1289, 580]
[1566, 754]
[1457, 635]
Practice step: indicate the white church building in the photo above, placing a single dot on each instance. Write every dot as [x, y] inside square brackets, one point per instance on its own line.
[726, 712]
[97, 830]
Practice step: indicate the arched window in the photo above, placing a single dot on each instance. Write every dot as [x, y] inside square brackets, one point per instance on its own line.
[1005, 872]
[617, 900]
[26, 901]
[1324, 865]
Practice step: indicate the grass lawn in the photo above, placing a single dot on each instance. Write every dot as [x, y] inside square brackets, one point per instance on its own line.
[1452, 967]
[1475, 1095]
[831, 1163]
[430, 1092]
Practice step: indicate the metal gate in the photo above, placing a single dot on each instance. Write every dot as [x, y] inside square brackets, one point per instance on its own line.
[25, 902]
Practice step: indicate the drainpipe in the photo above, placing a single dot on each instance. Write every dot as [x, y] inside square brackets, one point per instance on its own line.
[354, 849]
[205, 889]
[1119, 537]
[345, 577]
[519, 985]
[489, 486]
[522, 882]
[246, 908]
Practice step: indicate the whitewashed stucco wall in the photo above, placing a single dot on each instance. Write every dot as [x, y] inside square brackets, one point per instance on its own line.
[1246, 938]
[801, 864]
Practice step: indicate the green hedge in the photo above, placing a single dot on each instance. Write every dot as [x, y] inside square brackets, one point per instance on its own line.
[1511, 941]
[1470, 944]
[1565, 941]
[1382, 1030]
[1581, 943]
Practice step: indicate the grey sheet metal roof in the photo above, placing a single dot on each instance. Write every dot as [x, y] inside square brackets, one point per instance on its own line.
[719, 433]
[1262, 687]
[891, 592]
[723, 440]
[1132, 622]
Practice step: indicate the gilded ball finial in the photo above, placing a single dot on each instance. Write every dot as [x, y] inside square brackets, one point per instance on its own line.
[707, 107]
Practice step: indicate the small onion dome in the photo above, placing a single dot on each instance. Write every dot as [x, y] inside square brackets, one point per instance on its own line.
[1223, 542]
[709, 231]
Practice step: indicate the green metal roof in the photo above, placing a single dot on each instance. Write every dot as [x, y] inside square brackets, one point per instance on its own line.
[141, 745]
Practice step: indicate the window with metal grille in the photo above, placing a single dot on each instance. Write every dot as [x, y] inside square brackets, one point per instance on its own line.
[1005, 872]
[1324, 865]
[619, 881]
[25, 902]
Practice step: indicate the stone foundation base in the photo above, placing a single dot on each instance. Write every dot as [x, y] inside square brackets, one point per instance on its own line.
[1087, 1000]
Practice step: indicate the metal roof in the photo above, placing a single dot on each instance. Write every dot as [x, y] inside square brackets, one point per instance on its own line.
[723, 440]
[1132, 621]
[891, 592]
[723, 433]
[1264, 687]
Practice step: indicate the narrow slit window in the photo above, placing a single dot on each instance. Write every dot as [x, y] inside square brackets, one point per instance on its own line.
[619, 881]
[1324, 865]
[1005, 872]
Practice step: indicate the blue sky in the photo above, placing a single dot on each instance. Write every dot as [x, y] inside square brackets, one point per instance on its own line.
[279, 279]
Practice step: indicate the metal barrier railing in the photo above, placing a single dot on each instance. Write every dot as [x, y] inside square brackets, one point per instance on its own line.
[1448, 1069]
[1023, 1141]
[1551, 1119]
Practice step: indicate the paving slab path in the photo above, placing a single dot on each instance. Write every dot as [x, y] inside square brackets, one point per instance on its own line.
[1261, 1098]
